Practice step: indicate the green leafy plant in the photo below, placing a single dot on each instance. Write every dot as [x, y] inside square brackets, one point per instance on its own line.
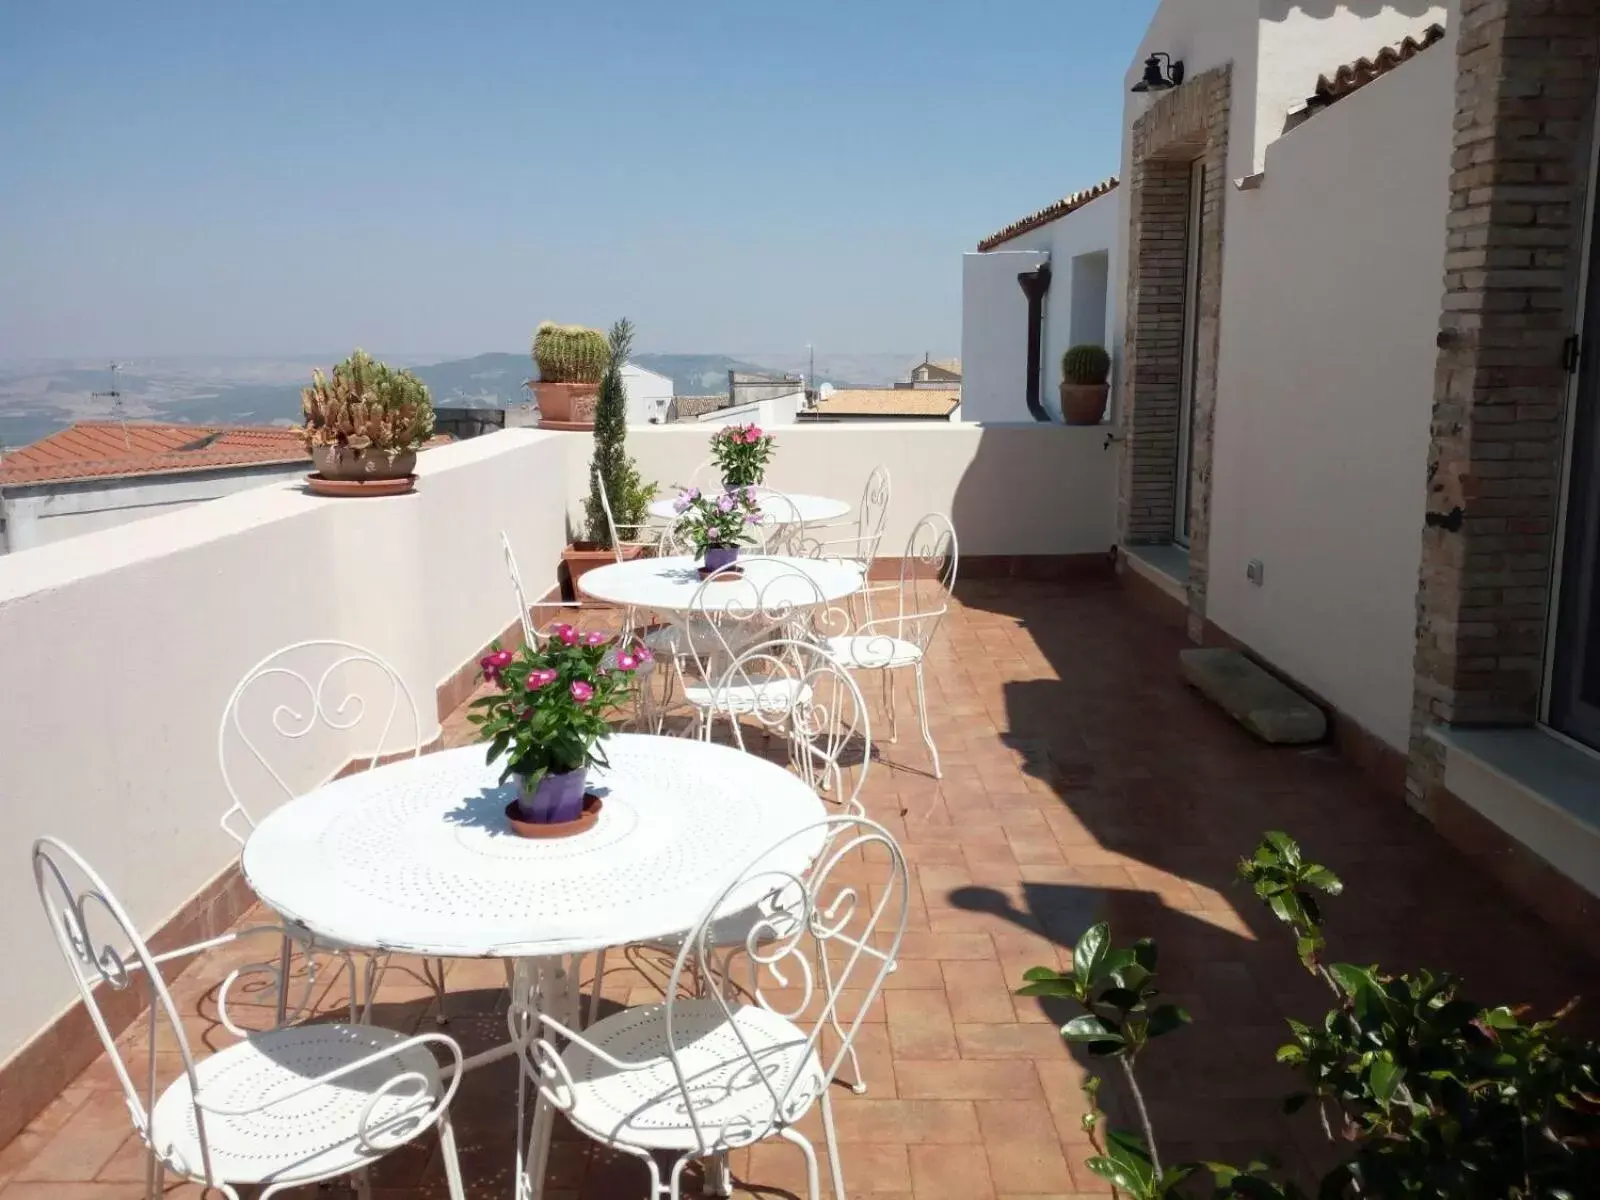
[366, 405]
[570, 353]
[1435, 1096]
[551, 707]
[630, 496]
[1086, 365]
[721, 520]
[741, 453]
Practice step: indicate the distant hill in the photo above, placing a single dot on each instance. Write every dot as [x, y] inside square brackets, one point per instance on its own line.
[38, 398]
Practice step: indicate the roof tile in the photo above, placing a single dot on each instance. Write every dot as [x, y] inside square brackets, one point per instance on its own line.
[889, 402]
[1050, 213]
[113, 449]
[1356, 75]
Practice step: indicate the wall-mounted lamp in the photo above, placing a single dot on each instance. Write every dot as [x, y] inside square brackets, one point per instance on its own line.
[1157, 80]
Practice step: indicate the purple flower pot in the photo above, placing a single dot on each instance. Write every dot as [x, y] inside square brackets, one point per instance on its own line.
[556, 799]
[718, 557]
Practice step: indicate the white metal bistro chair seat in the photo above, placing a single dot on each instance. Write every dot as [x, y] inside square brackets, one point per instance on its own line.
[316, 1132]
[770, 697]
[873, 651]
[644, 1106]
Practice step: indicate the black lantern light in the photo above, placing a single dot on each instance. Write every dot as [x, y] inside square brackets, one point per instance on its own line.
[1157, 80]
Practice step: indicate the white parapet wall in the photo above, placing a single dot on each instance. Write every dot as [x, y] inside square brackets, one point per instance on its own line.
[118, 650]
[1010, 489]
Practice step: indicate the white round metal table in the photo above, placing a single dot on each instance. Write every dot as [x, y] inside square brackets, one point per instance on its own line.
[416, 857]
[799, 509]
[670, 585]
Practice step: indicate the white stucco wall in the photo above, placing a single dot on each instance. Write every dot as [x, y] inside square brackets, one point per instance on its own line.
[994, 335]
[1034, 489]
[1331, 294]
[119, 648]
[1278, 48]
[40, 514]
[649, 394]
[768, 413]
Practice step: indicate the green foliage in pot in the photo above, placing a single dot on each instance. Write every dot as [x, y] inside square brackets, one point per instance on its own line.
[570, 353]
[367, 405]
[1433, 1095]
[630, 496]
[1086, 366]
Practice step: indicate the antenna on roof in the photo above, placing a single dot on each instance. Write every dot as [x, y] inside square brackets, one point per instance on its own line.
[118, 414]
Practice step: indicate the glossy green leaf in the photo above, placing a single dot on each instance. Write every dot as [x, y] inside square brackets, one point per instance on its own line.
[1323, 879]
[1119, 1175]
[1165, 1019]
[1090, 951]
[1385, 1077]
[1090, 1028]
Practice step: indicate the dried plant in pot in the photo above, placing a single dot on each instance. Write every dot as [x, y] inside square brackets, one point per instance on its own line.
[366, 421]
[1084, 371]
[572, 361]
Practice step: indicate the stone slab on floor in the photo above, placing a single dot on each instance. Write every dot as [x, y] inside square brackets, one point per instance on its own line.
[1264, 705]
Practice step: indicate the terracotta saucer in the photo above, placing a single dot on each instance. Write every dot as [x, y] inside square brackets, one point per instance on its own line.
[323, 486]
[592, 805]
[724, 575]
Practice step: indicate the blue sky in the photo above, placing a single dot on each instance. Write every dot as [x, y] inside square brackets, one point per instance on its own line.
[286, 178]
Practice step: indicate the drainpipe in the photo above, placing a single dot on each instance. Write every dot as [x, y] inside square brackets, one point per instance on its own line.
[1035, 284]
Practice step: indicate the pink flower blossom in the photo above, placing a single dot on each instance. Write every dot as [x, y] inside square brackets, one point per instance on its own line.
[567, 634]
[581, 691]
[627, 662]
[540, 678]
[646, 654]
[502, 658]
[595, 638]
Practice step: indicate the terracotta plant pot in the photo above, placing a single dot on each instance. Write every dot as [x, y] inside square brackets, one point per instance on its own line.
[1084, 403]
[567, 405]
[341, 462]
[582, 557]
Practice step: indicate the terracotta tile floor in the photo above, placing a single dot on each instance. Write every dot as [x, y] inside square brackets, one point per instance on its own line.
[1082, 782]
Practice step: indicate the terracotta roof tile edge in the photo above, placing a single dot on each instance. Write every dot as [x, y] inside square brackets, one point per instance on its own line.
[1049, 213]
[183, 462]
[1356, 75]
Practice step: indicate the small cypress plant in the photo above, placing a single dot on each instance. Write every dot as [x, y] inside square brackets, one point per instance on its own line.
[630, 497]
[1085, 365]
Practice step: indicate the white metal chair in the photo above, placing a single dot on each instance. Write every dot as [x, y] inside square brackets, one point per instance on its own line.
[291, 1106]
[859, 547]
[759, 598]
[642, 534]
[328, 709]
[804, 696]
[696, 1077]
[781, 530]
[900, 642]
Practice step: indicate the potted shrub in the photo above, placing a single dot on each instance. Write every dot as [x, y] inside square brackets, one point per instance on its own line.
[572, 361]
[547, 720]
[1084, 370]
[741, 453]
[612, 468]
[367, 421]
[717, 527]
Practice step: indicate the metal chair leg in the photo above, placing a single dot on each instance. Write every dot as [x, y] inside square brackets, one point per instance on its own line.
[922, 719]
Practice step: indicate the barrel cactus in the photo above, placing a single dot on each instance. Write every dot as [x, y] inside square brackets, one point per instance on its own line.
[1085, 365]
[367, 405]
[570, 353]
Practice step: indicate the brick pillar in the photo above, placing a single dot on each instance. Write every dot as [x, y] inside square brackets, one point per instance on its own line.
[1188, 123]
[1525, 91]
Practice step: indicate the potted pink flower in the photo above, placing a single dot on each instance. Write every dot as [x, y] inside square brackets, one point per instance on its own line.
[717, 526]
[741, 453]
[548, 718]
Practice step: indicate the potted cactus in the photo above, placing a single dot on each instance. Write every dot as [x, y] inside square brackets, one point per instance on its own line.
[1084, 370]
[365, 422]
[571, 362]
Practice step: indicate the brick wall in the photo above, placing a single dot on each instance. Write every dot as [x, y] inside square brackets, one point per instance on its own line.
[1188, 123]
[1525, 92]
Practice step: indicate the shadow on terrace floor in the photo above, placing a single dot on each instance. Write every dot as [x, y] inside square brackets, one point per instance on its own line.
[1161, 794]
